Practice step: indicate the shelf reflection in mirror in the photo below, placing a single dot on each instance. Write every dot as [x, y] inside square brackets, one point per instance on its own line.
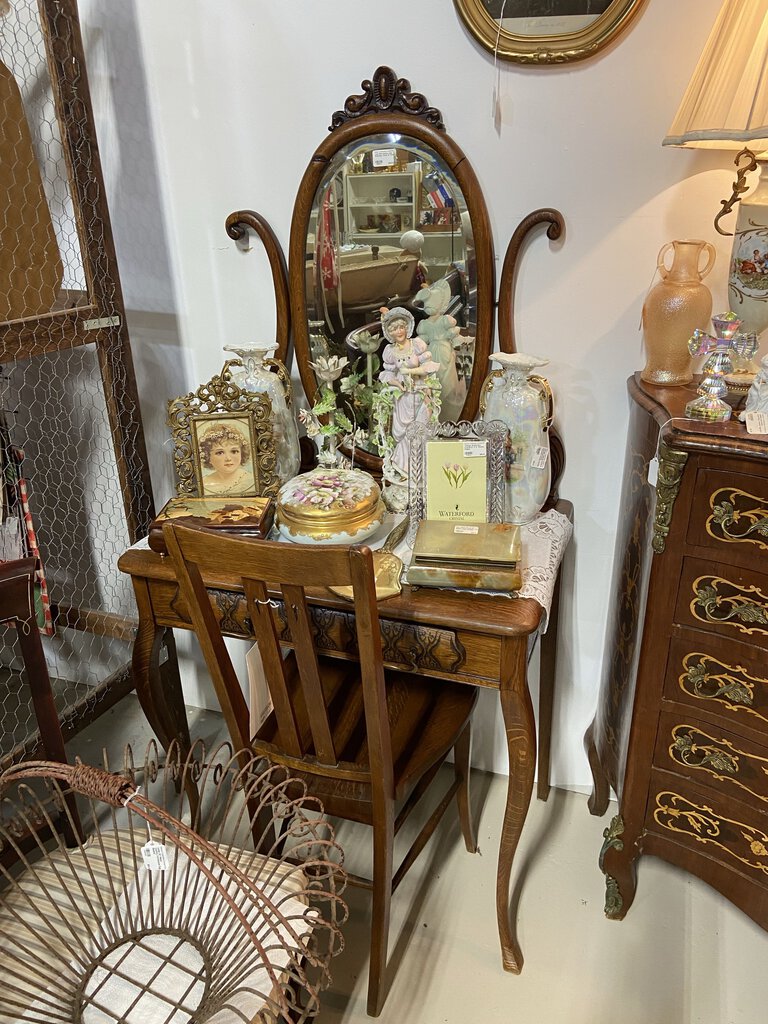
[388, 218]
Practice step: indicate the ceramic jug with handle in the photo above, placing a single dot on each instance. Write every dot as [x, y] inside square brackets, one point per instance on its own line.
[675, 306]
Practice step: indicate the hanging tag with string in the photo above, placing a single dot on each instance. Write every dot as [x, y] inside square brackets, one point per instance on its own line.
[154, 854]
[496, 99]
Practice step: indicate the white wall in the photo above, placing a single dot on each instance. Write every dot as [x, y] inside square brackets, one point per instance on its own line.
[203, 109]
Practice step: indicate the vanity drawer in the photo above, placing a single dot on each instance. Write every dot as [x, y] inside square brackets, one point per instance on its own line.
[724, 599]
[710, 824]
[713, 757]
[719, 677]
[729, 512]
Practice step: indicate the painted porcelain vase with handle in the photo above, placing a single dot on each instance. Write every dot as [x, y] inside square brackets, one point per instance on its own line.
[262, 374]
[523, 401]
[675, 306]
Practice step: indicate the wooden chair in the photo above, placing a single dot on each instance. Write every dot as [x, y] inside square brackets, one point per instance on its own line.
[17, 581]
[364, 739]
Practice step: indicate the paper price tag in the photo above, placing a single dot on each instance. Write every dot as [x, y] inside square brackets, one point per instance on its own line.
[540, 456]
[474, 449]
[383, 157]
[155, 856]
[466, 529]
[653, 471]
[757, 422]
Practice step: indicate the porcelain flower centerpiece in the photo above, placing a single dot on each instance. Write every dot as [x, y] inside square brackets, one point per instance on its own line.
[330, 504]
[325, 422]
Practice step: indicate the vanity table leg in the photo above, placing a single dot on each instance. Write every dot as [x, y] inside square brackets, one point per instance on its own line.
[520, 728]
[158, 689]
[547, 669]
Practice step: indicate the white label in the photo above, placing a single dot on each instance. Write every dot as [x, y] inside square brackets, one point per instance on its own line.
[155, 856]
[259, 699]
[383, 157]
[757, 422]
[653, 471]
[540, 456]
[466, 529]
[474, 449]
[104, 321]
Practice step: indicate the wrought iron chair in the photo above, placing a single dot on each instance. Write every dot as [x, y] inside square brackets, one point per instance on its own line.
[166, 914]
[367, 742]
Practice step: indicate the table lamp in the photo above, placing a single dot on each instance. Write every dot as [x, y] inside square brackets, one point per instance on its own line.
[726, 107]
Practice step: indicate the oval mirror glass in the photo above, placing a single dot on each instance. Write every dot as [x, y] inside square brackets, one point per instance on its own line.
[389, 218]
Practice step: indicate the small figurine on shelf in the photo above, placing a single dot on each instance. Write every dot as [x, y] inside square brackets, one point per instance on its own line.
[442, 334]
[757, 398]
[410, 392]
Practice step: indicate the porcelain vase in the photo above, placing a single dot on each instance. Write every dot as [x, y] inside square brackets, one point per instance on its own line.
[676, 305]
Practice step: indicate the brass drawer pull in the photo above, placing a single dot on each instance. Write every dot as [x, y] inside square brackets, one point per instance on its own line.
[702, 755]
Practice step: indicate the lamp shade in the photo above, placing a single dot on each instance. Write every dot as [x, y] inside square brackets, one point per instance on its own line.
[726, 103]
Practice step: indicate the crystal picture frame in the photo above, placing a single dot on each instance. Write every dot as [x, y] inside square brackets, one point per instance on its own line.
[421, 435]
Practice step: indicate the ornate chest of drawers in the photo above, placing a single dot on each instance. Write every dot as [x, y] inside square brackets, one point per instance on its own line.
[681, 730]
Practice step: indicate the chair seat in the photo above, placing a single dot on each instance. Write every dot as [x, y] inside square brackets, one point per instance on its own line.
[425, 717]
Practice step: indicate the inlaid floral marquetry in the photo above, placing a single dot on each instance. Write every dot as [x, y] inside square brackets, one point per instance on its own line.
[738, 517]
[708, 679]
[721, 601]
[719, 757]
[742, 842]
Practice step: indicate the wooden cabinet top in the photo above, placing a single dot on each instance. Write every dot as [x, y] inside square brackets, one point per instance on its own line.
[667, 406]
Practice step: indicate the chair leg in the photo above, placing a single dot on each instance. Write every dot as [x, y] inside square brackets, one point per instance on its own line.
[383, 847]
[461, 756]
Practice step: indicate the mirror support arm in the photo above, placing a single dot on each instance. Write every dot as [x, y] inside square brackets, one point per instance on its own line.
[237, 225]
[509, 270]
[507, 342]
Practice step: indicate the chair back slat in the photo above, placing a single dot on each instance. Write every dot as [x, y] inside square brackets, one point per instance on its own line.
[297, 614]
[262, 620]
[223, 675]
[301, 705]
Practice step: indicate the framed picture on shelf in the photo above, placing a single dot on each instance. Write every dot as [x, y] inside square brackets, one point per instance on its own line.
[223, 441]
[456, 472]
[222, 450]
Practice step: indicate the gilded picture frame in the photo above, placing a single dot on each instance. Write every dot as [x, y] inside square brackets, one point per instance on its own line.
[242, 418]
[545, 42]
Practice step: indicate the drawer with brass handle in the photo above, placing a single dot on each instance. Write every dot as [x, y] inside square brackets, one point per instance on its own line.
[724, 599]
[724, 678]
[730, 512]
[713, 757]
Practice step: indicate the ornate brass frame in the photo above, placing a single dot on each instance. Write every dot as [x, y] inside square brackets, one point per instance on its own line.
[547, 49]
[221, 395]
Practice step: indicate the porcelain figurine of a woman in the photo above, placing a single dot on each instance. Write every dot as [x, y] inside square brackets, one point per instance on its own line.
[408, 367]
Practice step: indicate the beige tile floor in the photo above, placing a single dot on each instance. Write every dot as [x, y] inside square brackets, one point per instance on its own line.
[683, 955]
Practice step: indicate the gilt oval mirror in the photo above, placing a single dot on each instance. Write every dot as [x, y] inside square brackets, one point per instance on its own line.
[546, 31]
[389, 215]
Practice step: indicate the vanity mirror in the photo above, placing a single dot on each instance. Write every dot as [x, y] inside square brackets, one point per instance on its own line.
[388, 208]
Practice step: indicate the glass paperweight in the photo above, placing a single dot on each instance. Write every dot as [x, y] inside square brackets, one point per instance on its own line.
[261, 374]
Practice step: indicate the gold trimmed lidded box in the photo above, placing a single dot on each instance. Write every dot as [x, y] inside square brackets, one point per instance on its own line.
[329, 506]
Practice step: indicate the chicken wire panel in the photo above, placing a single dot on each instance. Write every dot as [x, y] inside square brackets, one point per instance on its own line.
[42, 265]
[70, 428]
